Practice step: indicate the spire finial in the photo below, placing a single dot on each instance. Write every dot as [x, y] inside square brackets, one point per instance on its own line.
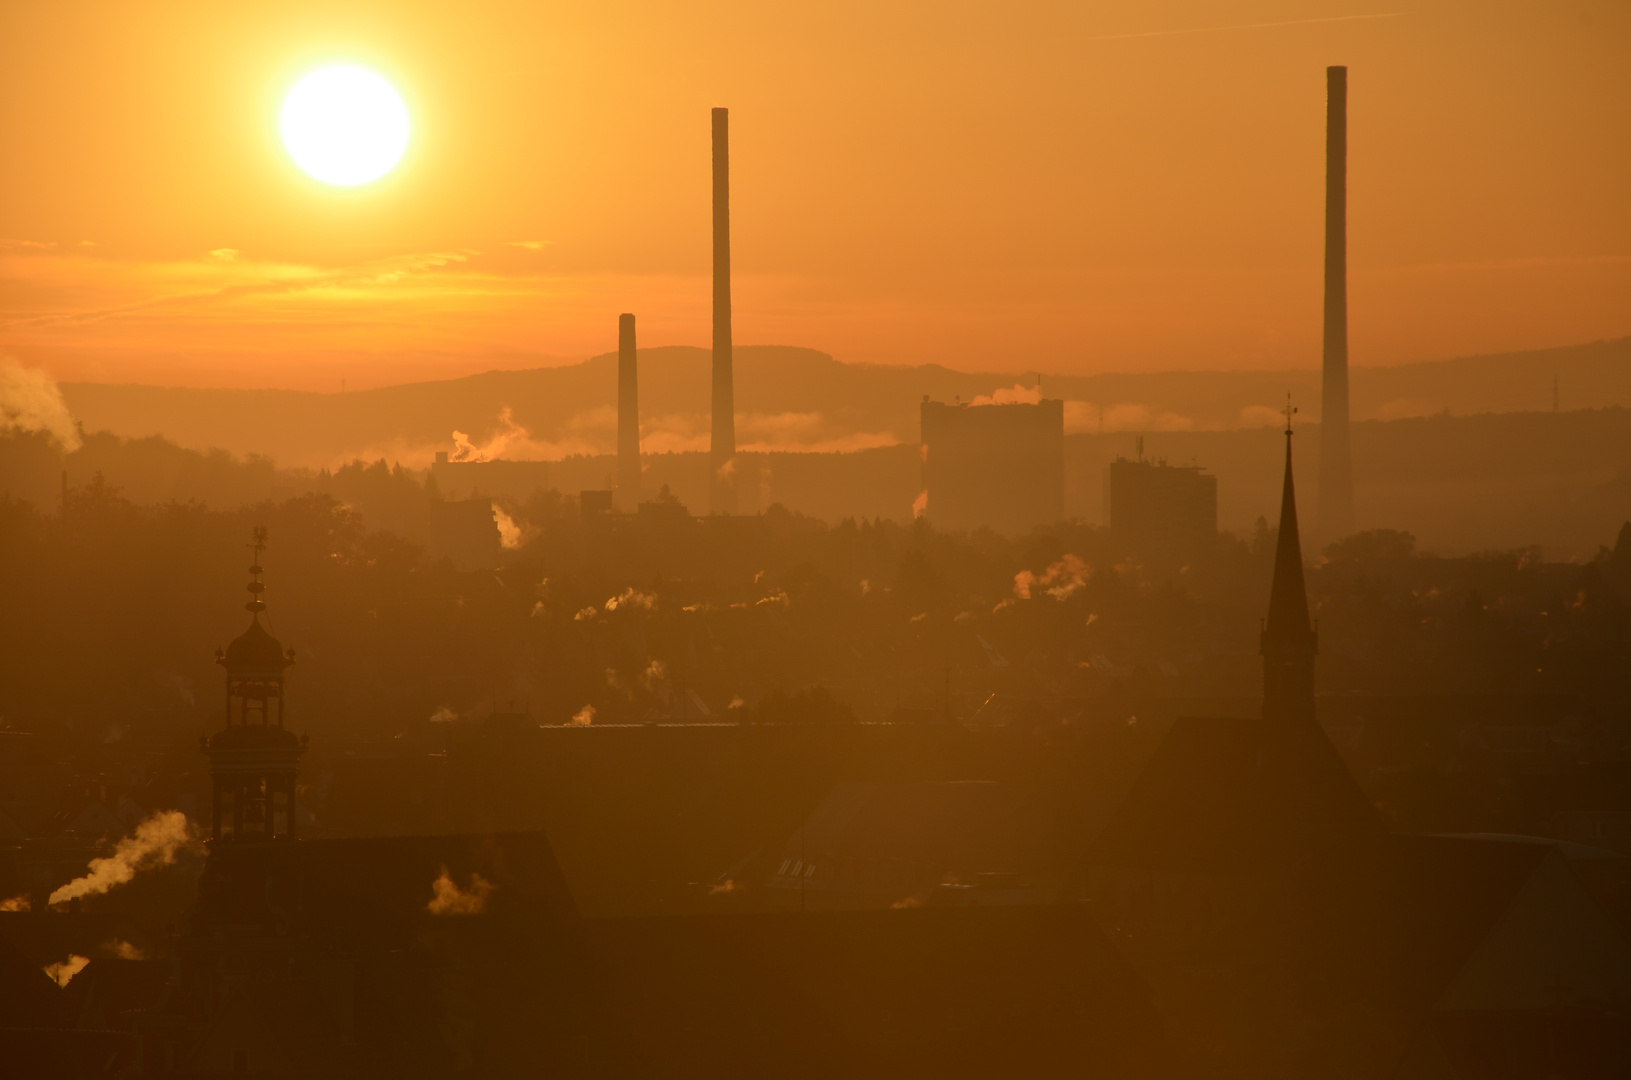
[1290, 411]
[257, 538]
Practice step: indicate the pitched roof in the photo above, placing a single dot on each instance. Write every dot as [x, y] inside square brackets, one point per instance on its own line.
[1509, 925]
[970, 825]
[380, 887]
[983, 992]
[46, 937]
[1235, 796]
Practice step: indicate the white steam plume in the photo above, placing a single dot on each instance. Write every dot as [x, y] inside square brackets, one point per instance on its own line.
[31, 401]
[155, 843]
[1019, 395]
[63, 973]
[1061, 580]
[632, 598]
[448, 899]
[509, 533]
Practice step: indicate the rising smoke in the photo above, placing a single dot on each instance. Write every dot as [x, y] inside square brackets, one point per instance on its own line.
[632, 598]
[448, 899]
[63, 973]
[1060, 580]
[155, 843]
[30, 401]
[509, 532]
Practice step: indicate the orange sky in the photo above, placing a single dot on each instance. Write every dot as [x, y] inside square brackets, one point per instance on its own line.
[1071, 187]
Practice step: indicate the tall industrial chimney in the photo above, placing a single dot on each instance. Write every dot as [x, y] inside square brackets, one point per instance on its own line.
[628, 417]
[1336, 506]
[722, 489]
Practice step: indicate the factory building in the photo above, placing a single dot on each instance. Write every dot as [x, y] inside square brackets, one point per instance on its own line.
[994, 466]
[486, 479]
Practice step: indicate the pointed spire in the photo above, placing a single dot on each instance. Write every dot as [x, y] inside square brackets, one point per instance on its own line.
[1288, 599]
[1289, 642]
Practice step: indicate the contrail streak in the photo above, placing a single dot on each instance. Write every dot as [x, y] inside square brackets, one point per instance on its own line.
[1245, 26]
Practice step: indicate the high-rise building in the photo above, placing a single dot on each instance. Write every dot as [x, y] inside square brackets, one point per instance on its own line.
[1336, 506]
[995, 466]
[1157, 509]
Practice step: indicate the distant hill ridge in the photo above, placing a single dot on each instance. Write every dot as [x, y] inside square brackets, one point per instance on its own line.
[794, 398]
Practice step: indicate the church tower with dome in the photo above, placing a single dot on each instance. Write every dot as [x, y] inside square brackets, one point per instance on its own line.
[254, 759]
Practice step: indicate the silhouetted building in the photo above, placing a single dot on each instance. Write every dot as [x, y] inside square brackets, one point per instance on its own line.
[628, 416]
[994, 466]
[1158, 509]
[399, 956]
[1336, 504]
[1289, 934]
[1034, 991]
[722, 454]
[1289, 643]
[1607, 829]
[959, 844]
[71, 990]
[466, 479]
[254, 758]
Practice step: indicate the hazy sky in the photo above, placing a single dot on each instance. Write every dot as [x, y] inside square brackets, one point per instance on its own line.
[1071, 187]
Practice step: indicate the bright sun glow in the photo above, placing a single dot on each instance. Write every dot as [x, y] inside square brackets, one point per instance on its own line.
[345, 125]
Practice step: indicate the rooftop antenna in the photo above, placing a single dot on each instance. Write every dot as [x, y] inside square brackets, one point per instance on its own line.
[1290, 411]
[257, 543]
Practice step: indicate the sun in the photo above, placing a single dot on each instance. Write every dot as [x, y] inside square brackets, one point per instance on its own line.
[344, 125]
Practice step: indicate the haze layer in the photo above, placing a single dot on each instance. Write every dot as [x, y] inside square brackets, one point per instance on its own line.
[1039, 185]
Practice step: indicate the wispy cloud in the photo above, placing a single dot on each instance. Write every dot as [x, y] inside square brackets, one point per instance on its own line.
[1245, 26]
[265, 280]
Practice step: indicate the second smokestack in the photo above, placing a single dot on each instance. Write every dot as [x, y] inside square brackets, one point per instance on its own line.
[1336, 508]
[628, 417]
[722, 458]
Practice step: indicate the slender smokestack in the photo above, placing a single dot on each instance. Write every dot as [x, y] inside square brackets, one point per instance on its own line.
[722, 490]
[1336, 456]
[628, 417]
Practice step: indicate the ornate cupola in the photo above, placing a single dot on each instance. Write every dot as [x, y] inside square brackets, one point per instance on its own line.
[255, 758]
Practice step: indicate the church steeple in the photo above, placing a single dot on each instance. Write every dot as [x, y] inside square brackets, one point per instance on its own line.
[1289, 642]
